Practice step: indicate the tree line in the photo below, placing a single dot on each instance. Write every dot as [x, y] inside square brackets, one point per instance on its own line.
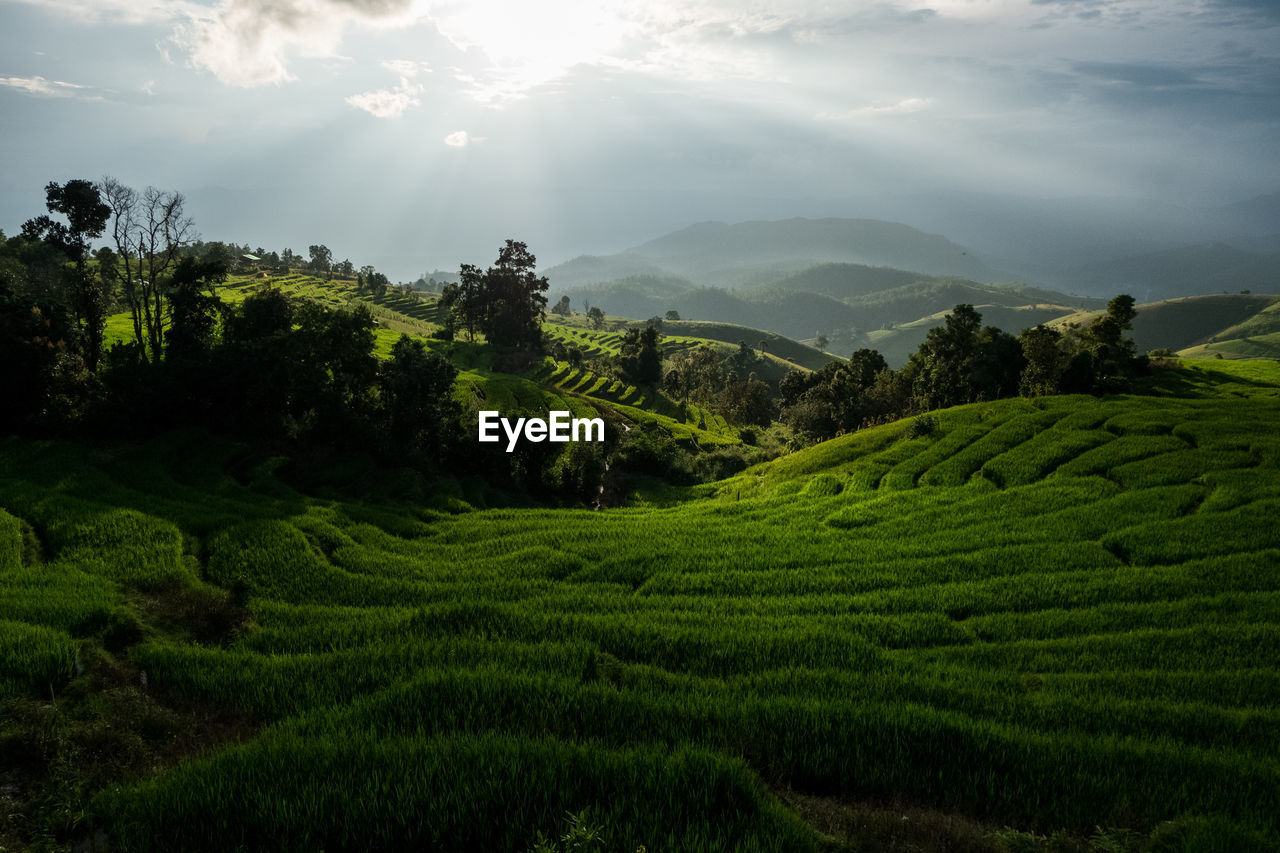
[963, 361]
[960, 361]
[270, 368]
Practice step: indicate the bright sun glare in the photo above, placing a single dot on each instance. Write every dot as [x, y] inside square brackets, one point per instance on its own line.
[529, 44]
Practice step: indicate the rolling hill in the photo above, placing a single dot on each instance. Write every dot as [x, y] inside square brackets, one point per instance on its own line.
[845, 302]
[1051, 618]
[1179, 324]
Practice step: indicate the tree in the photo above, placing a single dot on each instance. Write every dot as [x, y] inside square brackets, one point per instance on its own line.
[596, 316]
[640, 359]
[369, 280]
[194, 313]
[416, 399]
[151, 230]
[822, 342]
[746, 403]
[673, 315]
[940, 369]
[997, 366]
[743, 362]
[1045, 361]
[1113, 354]
[321, 258]
[449, 295]
[697, 374]
[864, 365]
[89, 295]
[562, 307]
[39, 369]
[514, 299]
[469, 304]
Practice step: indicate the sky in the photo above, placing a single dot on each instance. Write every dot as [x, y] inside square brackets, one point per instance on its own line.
[417, 135]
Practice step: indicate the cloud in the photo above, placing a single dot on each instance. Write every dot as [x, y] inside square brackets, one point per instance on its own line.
[250, 43]
[902, 107]
[1258, 8]
[1143, 74]
[388, 103]
[49, 88]
[460, 139]
[406, 67]
[121, 11]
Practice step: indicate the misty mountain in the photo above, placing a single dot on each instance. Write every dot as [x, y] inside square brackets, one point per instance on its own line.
[1039, 239]
[753, 253]
[805, 314]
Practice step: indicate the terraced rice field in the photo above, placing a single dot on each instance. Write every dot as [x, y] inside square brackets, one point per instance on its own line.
[1057, 614]
[639, 405]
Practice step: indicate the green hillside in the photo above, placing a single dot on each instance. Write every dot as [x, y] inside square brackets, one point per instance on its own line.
[899, 341]
[845, 302]
[1052, 617]
[1259, 346]
[782, 348]
[1178, 324]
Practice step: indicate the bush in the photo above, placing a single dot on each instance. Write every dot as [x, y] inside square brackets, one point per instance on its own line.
[922, 426]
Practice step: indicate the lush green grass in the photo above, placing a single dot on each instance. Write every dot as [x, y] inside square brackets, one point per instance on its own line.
[1265, 345]
[1049, 614]
[1192, 324]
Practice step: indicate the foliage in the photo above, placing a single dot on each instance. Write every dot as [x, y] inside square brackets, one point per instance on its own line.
[640, 356]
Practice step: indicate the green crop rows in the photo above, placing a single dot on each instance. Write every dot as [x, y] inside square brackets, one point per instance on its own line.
[1062, 613]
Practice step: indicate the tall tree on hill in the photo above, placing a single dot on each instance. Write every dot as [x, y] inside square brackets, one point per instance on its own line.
[369, 280]
[698, 374]
[514, 299]
[321, 258]
[746, 403]
[416, 399]
[640, 358]
[941, 367]
[36, 333]
[1114, 360]
[743, 362]
[1045, 361]
[469, 304]
[88, 293]
[195, 310]
[151, 231]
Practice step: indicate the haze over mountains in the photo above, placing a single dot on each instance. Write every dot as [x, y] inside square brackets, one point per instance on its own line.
[870, 282]
[1088, 245]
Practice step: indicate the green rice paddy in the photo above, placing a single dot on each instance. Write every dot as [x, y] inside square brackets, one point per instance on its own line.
[1051, 615]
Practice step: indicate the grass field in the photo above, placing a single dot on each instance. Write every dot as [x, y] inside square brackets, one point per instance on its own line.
[1049, 622]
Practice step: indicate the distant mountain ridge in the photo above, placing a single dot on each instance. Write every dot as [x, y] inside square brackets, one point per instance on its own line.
[720, 254]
